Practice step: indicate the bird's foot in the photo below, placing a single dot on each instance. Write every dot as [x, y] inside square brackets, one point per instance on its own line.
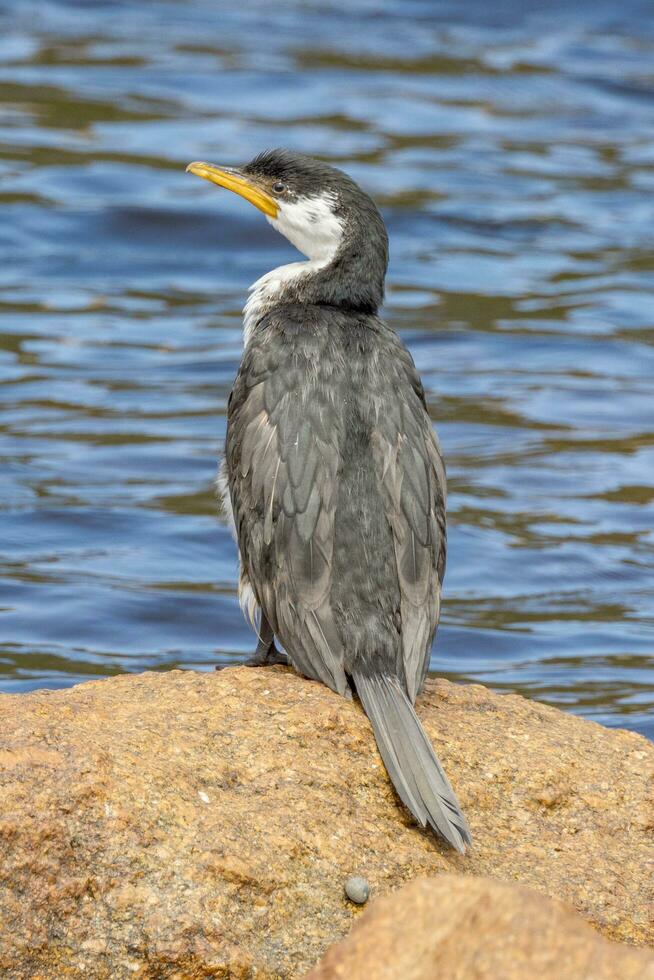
[267, 657]
[266, 653]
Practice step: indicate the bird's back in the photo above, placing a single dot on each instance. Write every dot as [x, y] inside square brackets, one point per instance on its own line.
[339, 493]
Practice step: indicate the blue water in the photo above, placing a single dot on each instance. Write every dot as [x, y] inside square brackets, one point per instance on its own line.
[512, 153]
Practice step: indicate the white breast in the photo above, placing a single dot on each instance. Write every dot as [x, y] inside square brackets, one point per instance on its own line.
[265, 292]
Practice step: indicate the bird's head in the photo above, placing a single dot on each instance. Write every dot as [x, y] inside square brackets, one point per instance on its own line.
[323, 213]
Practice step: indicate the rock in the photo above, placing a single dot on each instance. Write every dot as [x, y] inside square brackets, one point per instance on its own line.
[454, 927]
[202, 825]
[357, 889]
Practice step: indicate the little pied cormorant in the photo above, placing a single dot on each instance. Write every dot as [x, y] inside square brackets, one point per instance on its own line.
[332, 472]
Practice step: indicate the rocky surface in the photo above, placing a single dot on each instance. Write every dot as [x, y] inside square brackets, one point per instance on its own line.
[456, 928]
[203, 825]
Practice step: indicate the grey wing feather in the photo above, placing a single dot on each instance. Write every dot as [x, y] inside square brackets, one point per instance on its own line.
[412, 476]
[284, 510]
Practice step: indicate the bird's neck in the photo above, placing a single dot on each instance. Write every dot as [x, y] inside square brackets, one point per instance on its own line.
[352, 279]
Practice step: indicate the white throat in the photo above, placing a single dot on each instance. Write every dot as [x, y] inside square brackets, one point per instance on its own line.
[311, 225]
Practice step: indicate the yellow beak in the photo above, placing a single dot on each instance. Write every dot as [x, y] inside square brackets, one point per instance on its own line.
[236, 182]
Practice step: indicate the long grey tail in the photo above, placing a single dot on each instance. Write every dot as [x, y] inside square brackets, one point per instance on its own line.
[410, 760]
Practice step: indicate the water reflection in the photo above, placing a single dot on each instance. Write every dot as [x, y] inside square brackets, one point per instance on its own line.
[513, 155]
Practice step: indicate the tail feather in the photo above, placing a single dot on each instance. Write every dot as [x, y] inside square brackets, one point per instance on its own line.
[409, 758]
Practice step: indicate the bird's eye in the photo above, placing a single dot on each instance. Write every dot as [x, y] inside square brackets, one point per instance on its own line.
[279, 187]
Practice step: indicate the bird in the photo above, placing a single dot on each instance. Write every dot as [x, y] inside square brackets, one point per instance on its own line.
[333, 477]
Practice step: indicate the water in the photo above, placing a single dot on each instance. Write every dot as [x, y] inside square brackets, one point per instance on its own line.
[512, 154]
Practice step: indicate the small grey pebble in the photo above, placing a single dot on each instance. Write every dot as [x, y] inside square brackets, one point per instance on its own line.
[357, 889]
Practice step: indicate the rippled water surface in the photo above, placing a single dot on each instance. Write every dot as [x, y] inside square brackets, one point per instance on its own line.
[512, 154]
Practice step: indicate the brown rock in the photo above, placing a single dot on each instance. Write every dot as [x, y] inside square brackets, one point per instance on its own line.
[455, 927]
[203, 825]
